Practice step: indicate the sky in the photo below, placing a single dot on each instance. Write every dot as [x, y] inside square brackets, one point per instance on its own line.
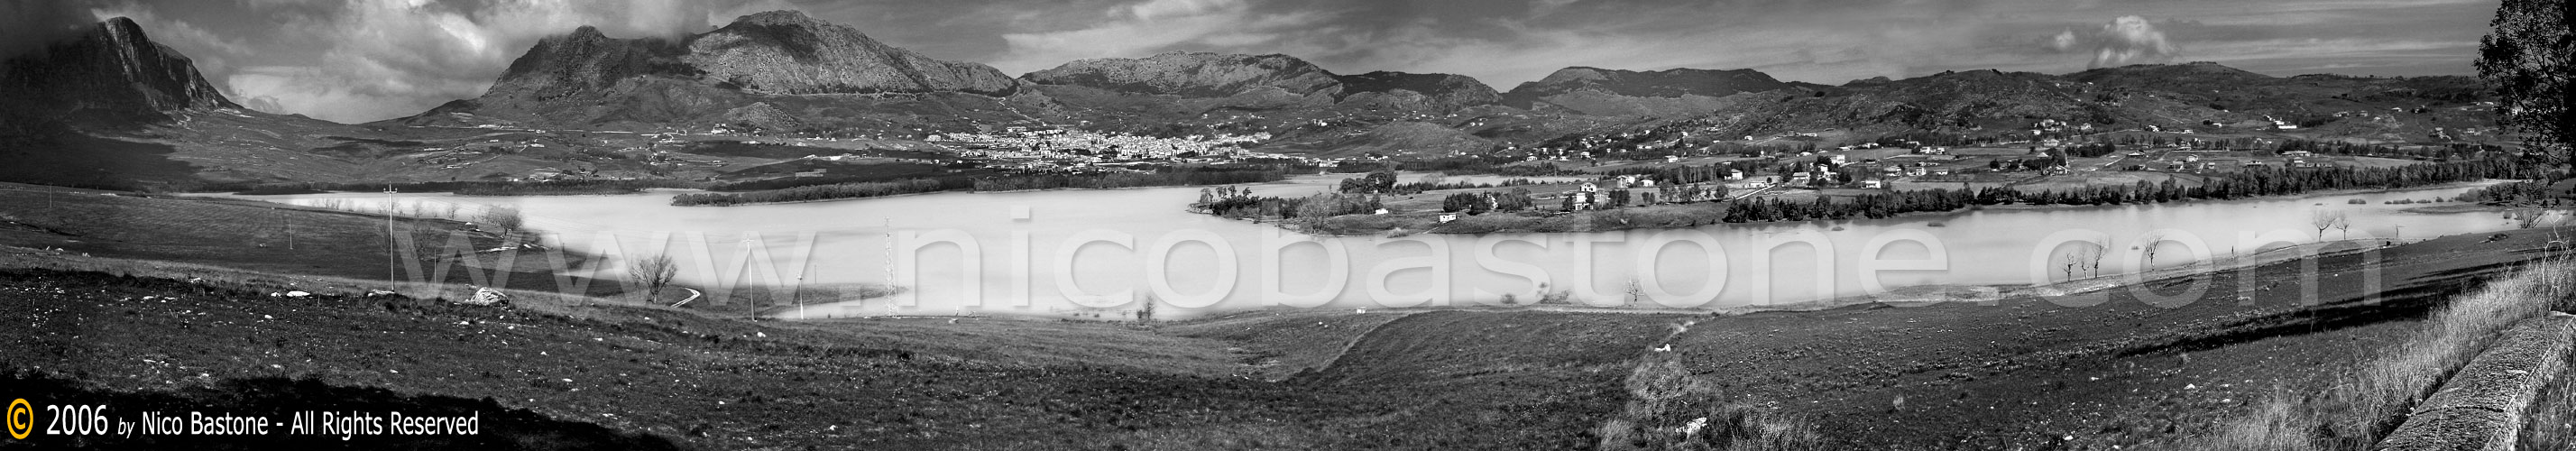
[366, 60]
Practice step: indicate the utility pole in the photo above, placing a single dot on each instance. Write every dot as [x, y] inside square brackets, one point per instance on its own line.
[389, 234]
[888, 255]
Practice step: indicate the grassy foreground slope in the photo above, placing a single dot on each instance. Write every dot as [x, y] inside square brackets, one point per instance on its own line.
[1518, 380]
[2049, 372]
[268, 237]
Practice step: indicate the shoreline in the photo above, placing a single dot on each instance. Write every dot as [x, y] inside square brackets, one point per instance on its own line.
[1434, 228]
[1925, 295]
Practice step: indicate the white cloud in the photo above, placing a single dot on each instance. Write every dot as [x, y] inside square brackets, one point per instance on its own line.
[2124, 41]
[389, 58]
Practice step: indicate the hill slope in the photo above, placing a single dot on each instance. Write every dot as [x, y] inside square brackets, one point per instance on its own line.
[826, 75]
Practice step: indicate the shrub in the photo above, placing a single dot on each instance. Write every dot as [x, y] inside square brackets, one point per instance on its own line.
[1669, 409]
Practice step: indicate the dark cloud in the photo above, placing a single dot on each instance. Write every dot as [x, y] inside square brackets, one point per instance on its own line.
[26, 26]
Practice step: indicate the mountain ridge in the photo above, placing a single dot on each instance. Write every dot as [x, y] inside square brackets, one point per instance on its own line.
[586, 78]
[111, 71]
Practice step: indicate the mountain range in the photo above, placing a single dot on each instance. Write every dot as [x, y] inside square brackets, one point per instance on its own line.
[785, 73]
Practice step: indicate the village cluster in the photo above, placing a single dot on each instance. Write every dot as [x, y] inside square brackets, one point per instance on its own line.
[1039, 148]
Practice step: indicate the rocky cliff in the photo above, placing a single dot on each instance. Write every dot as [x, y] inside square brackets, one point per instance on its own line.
[111, 72]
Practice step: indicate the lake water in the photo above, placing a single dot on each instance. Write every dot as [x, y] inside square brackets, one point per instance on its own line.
[1099, 251]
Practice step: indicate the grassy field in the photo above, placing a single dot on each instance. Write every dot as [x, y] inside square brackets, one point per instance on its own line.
[2026, 372]
[2029, 372]
[266, 237]
[974, 383]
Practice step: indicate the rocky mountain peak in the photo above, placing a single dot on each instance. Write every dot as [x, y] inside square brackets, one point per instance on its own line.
[112, 69]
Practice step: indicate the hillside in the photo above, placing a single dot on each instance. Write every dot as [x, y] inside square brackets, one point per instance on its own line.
[1611, 92]
[824, 75]
[1307, 108]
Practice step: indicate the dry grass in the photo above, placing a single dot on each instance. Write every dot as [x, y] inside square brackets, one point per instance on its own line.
[2361, 407]
[1671, 410]
[2553, 418]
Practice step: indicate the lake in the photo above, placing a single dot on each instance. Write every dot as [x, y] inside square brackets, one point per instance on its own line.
[1083, 252]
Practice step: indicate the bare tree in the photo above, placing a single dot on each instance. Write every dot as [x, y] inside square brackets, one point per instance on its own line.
[506, 218]
[2529, 218]
[2087, 258]
[2343, 224]
[2323, 220]
[2073, 260]
[653, 273]
[2094, 260]
[2150, 250]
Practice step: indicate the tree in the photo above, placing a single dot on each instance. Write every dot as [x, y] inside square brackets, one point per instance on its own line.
[2150, 250]
[1460, 201]
[505, 218]
[2526, 59]
[2323, 220]
[2093, 261]
[653, 273]
[2073, 260]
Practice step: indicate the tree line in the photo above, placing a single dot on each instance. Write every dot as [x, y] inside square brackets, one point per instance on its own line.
[1517, 199]
[1180, 176]
[2251, 183]
[1241, 203]
[860, 190]
[812, 193]
[2518, 193]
